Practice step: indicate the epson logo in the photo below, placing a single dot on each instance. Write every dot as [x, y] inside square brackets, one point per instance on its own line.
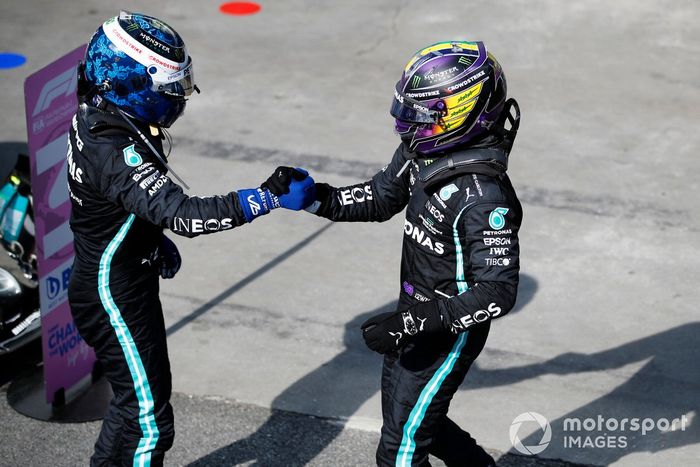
[142, 171]
[201, 226]
[497, 241]
[422, 238]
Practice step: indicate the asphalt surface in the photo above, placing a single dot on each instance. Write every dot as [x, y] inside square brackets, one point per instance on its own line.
[605, 164]
[211, 431]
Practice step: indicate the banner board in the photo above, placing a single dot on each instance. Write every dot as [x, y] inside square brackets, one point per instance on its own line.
[50, 100]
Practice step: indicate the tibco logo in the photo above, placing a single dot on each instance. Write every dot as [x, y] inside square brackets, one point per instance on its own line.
[497, 261]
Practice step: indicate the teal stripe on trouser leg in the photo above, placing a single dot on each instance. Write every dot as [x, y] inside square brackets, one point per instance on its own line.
[408, 444]
[147, 421]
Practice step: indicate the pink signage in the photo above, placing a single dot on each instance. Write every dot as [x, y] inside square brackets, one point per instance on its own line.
[50, 100]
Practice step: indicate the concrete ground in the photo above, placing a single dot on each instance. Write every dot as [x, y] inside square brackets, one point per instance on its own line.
[605, 165]
[211, 431]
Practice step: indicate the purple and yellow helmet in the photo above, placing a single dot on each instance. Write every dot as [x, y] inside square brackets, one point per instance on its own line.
[449, 94]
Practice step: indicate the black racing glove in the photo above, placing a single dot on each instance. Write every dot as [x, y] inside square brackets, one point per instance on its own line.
[388, 332]
[287, 188]
[278, 183]
[170, 260]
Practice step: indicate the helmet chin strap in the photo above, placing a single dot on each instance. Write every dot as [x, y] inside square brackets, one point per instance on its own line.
[155, 152]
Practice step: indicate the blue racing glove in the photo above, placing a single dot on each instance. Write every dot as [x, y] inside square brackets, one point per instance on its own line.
[170, 260]
[295, 189]
[257, 202]
[287, 187]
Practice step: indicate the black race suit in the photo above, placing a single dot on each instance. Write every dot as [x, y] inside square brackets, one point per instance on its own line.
[460, 248]
[121, 202]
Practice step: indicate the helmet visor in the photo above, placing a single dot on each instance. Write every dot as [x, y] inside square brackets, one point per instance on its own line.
[408, 110]
[180, 84]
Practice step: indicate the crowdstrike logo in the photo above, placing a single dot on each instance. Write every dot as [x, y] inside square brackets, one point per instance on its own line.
[527, 417]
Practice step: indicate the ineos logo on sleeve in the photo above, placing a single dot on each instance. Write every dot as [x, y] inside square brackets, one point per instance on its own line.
[355, 195]
[201, 226]
[480, 316]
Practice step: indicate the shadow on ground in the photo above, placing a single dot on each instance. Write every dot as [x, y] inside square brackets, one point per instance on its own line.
[666, 387]
[345, 383]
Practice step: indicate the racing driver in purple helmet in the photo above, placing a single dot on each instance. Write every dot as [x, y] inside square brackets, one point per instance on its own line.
[460, 260]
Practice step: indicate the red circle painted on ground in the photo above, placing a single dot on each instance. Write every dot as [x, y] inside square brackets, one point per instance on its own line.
[239, 8]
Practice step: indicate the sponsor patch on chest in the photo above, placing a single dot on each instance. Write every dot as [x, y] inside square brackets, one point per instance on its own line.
[419, 236]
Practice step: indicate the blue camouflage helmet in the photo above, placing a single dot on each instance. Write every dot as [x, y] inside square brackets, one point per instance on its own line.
[143, 67]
